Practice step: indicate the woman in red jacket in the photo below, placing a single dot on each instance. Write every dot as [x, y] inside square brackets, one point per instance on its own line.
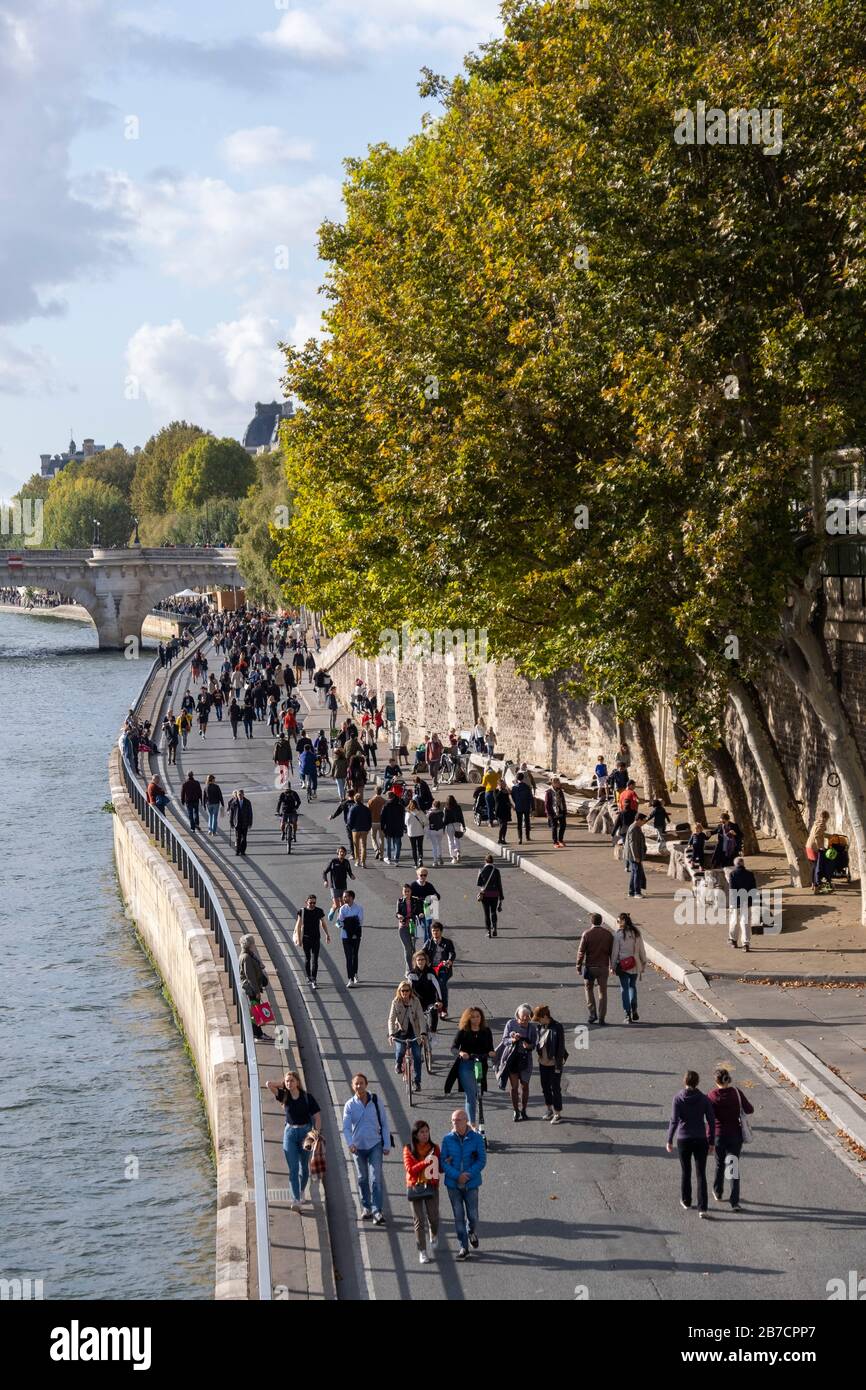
[729, 1105]
[421, 1161]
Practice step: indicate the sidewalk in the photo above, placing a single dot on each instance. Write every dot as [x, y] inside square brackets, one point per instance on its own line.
[820, 955]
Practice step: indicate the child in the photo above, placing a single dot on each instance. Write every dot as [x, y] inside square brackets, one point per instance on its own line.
[601, 776]
[658, 819]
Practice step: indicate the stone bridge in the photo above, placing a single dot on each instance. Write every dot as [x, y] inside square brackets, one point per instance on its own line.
[120, 587]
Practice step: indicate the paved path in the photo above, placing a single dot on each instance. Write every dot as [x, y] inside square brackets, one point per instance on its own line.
[590, 1205]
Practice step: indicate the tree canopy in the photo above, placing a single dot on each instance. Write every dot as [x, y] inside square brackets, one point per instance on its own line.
[73, 504]
[210, 468]
[152, 482]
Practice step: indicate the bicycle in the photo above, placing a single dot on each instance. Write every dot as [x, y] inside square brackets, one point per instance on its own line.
[311, 791]
[427, 1054]
[406, 1067]
[290, 832]
[478, 1068]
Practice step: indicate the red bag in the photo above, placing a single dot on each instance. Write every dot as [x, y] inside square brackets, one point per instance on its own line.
[262, 1013]
[318, 1164]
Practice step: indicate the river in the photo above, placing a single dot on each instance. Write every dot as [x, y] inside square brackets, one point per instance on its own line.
[107, 1189]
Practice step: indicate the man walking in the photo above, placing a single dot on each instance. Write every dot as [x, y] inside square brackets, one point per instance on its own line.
[556, 810]
[336, 875]
[593, 963]
[521, 796]
[433, 757]
[359, 822]
[463, 1157]
[190, 797]
[243, 814]
[743, 885]
[635, 854]
[368, 1139]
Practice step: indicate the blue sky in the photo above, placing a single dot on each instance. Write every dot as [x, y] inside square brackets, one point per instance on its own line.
[161, 192]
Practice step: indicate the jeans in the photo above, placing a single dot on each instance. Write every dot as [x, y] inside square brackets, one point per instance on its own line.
[728, 1163]
[311, 956]
[597, 979]
[400, 1051]
[523, 825]
[408, 943]
[490, 800]
[696, 1149]
[392, 847]
[218, 709]
[433, 769]
[637, 878]
[341, 787]
[557, 828]
[469, 1087]
[351, 946]
[368, 1165]
[551, 1086]
[464, 1205]
[248, 725]
[192, 813]
[213, 815]
[435, 838]
[628, 985]
[297, 1158]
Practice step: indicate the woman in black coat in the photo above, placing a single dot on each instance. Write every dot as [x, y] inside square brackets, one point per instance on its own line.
[552, 1058]
[502, 811]
[490, 893]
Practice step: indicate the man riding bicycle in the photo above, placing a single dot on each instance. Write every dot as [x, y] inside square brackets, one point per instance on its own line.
[307, 769]
[287, 809]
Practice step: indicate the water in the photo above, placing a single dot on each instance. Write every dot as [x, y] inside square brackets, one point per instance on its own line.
[94, 1079]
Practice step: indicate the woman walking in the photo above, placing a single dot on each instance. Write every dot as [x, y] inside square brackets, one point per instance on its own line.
[490, 894]
[435, 831]
[213, 799]
[729, 1106]
[253, 977]
[628, 961]
[416, 824]
[409, 910]
[815, 847]
[693, 1125]
[552, 1058]
[514, 1058]
[421, 1161]
[302, 1117]
[406, 1027]
[502, 811]
[455, 827]
[234, 717]
[473, 1040]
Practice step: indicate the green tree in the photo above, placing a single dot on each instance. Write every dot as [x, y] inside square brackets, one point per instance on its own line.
[113, 466]
[151, 484]
[70, 509]
[264, 518]
[211, 468]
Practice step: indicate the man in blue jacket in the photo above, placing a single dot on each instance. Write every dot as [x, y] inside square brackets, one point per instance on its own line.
[521, 795]
[463, 1157]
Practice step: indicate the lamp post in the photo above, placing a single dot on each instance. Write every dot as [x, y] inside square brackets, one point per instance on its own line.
[97, 527]
[135, 540]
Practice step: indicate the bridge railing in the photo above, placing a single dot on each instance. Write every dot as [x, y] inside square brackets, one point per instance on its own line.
[206, 895]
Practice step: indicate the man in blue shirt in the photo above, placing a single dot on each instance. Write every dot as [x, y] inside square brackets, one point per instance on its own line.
[366, 1132]
[350, 920]
[463, 1156]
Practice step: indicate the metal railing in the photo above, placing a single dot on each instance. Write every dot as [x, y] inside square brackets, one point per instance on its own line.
[206, 895]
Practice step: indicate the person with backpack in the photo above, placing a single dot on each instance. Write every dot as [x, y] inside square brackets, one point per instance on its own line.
[350, 920]
[421, 1160]
[628, 961]
[490, 893]
[552, 1057]
[522, 800]
[693, 1126]
[463, 1157]
[732, 1130]
[303, 1115]
[556, 811]
[455, 827]
[288, 805]
[368, 1139]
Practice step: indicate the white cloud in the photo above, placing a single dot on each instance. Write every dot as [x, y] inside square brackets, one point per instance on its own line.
[263, 145]
[332, 30]
[213, 379]
[28, 371]
[301, 35]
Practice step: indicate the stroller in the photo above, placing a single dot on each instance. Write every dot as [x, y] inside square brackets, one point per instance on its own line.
[838, 863]
[479, 809]
[420, 764]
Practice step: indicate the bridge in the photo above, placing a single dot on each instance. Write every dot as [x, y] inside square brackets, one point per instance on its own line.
[120, 587]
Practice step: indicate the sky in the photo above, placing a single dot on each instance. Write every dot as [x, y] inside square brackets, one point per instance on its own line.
[163, 172]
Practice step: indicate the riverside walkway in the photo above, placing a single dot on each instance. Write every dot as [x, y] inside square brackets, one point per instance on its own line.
[586, 1209]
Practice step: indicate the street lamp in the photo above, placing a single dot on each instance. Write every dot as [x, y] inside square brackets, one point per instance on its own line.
[97, 526]
[135, 540]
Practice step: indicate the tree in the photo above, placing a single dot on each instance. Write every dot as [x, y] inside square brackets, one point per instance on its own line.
[71, 507]
[113, 466]
[210, 468]
[151, 484]
[264, 516]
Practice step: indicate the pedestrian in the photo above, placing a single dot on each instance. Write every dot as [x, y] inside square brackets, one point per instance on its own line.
[743, 889]
[455, 827]
[283, 759]
[350, 919]
[332, 706]
[729, 1107]
[635, 854]
[463, 1157]
[490, 893]
[409, 914]
[393, 822]
[601, 777]
[184, 724]
[502, 808]
[552, 1057]
[729, 843]
[248, 715]
[337, 873]
[439, 950]
[473, 1041]
[556, 811]
[489, 786]
[433, 751]
[407, 1025]
[217, 700]
[416, 824]
[658, 820]
[203, 710]
[309, 926]
[375, 806]
[234, 717]
[366, 1133]
[303, 1116]
[514, 1058]
[490, 741]
[697, 843]
[358, 823]
[693, 1124]
[214, 802]
[421, 1159]
[190, 797]
[253, 977]
[243, 821]
[172, 738]
[521, 797]
[816, 845]
[593, 963]
[435, 832]
[628, 961]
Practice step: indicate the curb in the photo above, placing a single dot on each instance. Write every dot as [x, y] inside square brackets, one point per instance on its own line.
[844, 1106]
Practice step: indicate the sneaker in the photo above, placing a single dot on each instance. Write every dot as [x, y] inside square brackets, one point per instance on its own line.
[516, 1116]
[313, 985]
[294, 1206]
[523, 1114]
[399, 1070]
[736, 1208]
[378, 1219]
[473, 1240]
[734, 944]
[556, 1119]
[717, 1197]
[592, 1018]
[366, 1214]
[548, 1114]
[602, 1023]
[422, 1258]
[434, 1242]
[635, 1018]
[704, 1215]
[686, 1206]
[462, 1253]
[350, 984]
[356, 980]
[628, 1018]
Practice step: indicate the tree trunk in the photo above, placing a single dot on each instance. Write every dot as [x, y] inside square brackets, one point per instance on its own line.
[735, 799]
[789, 824]
[694, 795]
[654, 776]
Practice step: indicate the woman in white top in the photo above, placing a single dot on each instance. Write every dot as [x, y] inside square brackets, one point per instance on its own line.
[628, 961]
[815, 846]
[416, 824]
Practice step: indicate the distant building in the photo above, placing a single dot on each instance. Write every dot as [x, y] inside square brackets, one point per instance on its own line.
[263, 432]
[55, 463]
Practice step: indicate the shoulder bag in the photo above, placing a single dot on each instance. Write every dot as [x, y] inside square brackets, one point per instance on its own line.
[484, 891]
[745, 1127]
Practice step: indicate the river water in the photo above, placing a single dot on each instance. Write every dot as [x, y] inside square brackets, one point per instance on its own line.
[107, 1189]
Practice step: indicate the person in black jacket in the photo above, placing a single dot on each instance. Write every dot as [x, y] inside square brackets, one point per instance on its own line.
[490, 894]
[502, 811]
[441, 954]
[552, 1058]
[393, 823]
[693, 1124]
[243, 822]
[337, 873]
[521, 796]
[474, 1039]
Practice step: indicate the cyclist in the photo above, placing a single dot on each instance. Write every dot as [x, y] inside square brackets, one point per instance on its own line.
[410, 919]
[307, 769]
[441, 954]
[406, 1027]
[322, 751]
[287, 808]
[426, 986]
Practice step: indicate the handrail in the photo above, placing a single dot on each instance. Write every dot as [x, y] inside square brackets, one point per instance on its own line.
[202, 886]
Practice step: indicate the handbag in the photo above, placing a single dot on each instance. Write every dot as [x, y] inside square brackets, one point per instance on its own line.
[459, 832]
[298, 932]
[745, 1127]
[490, 893]
[419, 1190]
[627, 963]
[318, 1162]
[262, 1013]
